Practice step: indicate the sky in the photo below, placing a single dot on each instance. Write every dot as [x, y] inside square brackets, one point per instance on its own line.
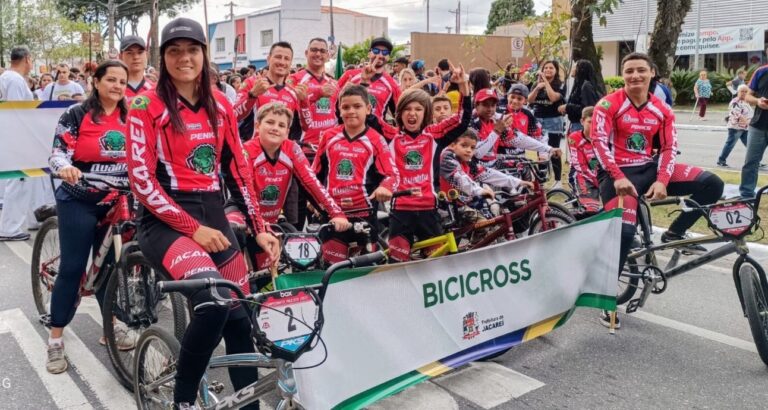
[404, 16]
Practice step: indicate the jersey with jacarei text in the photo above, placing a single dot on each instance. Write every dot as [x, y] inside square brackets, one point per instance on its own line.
[343, 162]
[322, 109]
[276, 93]
[623, 134]
[383, 91]
[160, 159]
[583, 158]
[272, 179]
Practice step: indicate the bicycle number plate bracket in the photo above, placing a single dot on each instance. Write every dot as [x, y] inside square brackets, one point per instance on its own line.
[733, 219]
[278, 316]
[301, 249]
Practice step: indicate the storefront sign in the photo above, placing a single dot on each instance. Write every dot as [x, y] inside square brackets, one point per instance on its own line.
[722, 40]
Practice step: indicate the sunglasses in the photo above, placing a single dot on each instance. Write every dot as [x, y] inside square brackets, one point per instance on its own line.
[377, 51]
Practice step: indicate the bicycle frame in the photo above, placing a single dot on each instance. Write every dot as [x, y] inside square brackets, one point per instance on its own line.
[446, 241]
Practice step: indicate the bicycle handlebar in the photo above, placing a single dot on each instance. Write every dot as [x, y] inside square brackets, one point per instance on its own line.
[119, 183]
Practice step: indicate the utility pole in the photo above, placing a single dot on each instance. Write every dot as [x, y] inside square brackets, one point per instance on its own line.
[232, 5]
[449, 29]
[457, 22]
[111, 11]
[333, 35]
[154, 16]
[427, 1]
[2, 42]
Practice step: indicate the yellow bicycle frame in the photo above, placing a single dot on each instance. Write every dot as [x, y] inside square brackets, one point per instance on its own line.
[447, 244]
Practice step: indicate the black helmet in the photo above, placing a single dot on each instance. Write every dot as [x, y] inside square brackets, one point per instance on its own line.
[182, 27]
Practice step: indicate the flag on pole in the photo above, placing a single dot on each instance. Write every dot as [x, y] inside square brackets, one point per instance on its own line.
[339, 63]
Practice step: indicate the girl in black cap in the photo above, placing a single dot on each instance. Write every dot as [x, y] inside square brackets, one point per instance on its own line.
[183, 135]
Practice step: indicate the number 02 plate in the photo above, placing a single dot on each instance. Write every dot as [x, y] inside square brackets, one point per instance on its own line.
[282, 326]
[733, 219]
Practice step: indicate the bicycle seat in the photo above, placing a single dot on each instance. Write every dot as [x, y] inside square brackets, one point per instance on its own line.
[44, 212]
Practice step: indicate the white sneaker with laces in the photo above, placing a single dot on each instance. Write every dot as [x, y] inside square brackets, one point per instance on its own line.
[57, 359]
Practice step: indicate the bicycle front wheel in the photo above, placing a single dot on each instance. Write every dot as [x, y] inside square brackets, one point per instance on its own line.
[157, 353]
[755, 305]
[131, 305]
[555, 217]
[565, 198]
[45, 264]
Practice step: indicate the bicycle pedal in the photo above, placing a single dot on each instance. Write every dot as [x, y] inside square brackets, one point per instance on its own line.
[45, 320]
[633, 305]
[216, 387]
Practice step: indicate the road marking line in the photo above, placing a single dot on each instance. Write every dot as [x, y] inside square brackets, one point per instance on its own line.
[696, 331]
[22, 249]
[488, 384]
[61, 387]
[421, 396]
[106, 387]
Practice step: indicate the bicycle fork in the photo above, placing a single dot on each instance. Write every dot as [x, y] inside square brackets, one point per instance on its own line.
[286, 384]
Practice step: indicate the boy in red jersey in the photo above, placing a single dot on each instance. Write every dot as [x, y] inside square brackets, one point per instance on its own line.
[345, 155]
[275, 160]
[585, 164]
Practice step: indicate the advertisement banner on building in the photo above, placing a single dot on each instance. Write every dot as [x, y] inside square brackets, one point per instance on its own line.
[722, 40]
[393, 326]
[27, 136]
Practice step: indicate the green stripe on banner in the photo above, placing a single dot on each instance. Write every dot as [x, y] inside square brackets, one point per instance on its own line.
[381, 391]
[613, 213]
[596, 301]
[299, 279]
[24, 173]
[12, 174]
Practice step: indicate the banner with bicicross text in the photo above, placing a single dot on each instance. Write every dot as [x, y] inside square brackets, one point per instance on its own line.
[26, 135]
[390, 327]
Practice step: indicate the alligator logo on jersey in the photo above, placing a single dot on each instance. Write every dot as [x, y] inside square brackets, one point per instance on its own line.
[413, 160]
[269, 195]
[372, 101]
[112, 144]
[636, 142]
[344, 170]
[593, 164]
[202, 159]
[323, 106]
[140, 102]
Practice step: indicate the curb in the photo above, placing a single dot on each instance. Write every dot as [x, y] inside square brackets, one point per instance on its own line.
[701, 127]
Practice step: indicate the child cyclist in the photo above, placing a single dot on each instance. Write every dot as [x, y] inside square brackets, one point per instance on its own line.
[522, 122]
[413, 143]
[345, 155]
[459, 170]
[585, 164]
[275, 160]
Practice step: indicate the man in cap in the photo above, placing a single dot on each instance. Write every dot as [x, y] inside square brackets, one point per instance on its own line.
[399, 65]
[382, 88]
[133, 52]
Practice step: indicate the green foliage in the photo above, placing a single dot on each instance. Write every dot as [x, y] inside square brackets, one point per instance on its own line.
[508, 11]
[615, 82]
[684, 80]
[547, 36]
[603, 7]
[358, 53]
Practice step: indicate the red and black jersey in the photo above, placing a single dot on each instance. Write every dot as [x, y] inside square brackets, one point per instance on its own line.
[321, 109]
[343, 162]
[583, 158]
[523, 122]
[484, 129]
[131, 93]
[277, 93]
[383, 90]
[468, 178]
[414, 155]
[623, 135]
[272, 178]
[161, 159]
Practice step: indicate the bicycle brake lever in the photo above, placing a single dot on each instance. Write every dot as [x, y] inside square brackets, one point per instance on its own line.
[684, 207]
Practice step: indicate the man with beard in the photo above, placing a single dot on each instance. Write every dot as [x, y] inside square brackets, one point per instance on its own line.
[382, 89]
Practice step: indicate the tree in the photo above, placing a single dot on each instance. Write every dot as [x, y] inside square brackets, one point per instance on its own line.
[508, 11]
[357, 53]
[666, 31]
[582, 40]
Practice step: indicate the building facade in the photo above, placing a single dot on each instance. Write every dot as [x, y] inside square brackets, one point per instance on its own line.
[732, 34]
[246, 39]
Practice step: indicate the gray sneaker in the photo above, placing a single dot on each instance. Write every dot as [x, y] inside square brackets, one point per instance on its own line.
[57, 360]
[124, 339]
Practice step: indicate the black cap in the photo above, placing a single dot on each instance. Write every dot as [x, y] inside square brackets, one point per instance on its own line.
[183, 27]
[381, 41]
[518, 89]
[129, 41]
[402, 60]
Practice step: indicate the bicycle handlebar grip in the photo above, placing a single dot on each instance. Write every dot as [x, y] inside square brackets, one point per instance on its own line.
[668, 201]
[368, 259]
[453, 194]
[441, 196]
[188, 285]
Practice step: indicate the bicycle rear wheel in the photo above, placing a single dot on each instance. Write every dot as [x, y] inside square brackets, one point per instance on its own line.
[755, 305]
[45, 265]
[153, 381]
[556, 216]
[131, 305]
[564, 198]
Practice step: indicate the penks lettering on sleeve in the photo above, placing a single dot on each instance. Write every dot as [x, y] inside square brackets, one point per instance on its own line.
[668, 150]
[602, 134]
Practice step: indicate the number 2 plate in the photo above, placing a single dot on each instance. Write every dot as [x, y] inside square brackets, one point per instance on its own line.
[733, 219]
[302, 249]
[282, 327]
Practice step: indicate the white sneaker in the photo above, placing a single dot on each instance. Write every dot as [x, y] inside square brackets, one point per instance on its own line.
[125, 340]
[557, 185]
[57, 360]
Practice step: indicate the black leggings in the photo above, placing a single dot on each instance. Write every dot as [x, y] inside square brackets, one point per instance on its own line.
[557, 163]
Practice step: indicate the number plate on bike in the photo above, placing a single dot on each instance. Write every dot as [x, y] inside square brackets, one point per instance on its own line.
[302, 249]
[733, 219]
[279, 317]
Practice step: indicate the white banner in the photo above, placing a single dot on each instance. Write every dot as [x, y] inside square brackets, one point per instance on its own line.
[26, 133]
[401, 324]
[722, 40]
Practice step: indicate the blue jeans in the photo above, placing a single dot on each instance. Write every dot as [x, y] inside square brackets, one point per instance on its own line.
[733, 135]
[757, 141]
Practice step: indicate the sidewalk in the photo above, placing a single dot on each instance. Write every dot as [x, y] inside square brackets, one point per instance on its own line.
[715, 120]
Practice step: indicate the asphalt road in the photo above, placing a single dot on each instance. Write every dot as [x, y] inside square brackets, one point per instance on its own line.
[702, 148]
[689, 348]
